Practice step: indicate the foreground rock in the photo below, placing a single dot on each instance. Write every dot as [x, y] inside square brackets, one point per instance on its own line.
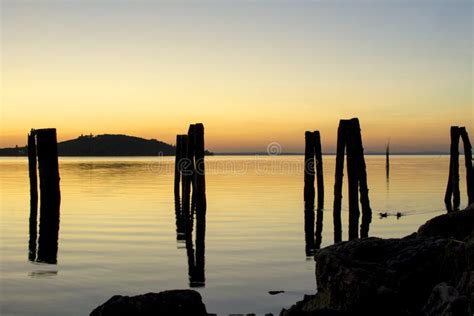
[175, 302]
[427, 273]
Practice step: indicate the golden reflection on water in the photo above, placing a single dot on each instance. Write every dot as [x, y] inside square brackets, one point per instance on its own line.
[118, 234]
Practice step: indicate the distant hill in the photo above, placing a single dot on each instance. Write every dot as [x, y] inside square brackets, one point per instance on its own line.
[104, 145]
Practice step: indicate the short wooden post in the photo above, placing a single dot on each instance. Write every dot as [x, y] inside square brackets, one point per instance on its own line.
[339, 174]
[452, 189]
[319, 169]
[309, 170]
[50, 196]
[468, 164]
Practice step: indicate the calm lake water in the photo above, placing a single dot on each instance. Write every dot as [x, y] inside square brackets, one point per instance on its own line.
[118, 229]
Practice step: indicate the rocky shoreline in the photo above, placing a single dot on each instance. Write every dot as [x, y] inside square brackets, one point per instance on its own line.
[430, 272]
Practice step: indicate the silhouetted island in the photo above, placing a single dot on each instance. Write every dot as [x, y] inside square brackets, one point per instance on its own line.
[105, 145]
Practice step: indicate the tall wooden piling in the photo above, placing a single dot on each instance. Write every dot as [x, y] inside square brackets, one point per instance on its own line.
[193, 183]
[452, 189]
[201, 204]
[362, 179]
[177, 161]
[32, 169]
[187, 179]
[468, 164]
[339, 174]
[319, 169]
[349, 138]
[309, 170]
[33, 234]
[50, 196]
[352, 182]
[200, 179]
[181, 147]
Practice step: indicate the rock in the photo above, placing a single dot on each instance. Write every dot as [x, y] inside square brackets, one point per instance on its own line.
[458, 225]
[175, 302]
[446, 301]
[374, 276]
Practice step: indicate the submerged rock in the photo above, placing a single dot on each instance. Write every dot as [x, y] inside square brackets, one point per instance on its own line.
[175, 302]
[426, 273]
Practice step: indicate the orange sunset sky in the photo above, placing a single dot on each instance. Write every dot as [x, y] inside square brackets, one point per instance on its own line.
[252, 72]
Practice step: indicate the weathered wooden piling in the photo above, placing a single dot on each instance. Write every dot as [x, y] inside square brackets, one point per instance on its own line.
[452, 189]
[313, 166]
[50, 196]
[201, 204]
[319, 169]
[187, 179]
[32, 166]
[309, 170]
[181, 147]
[177, 161]
[200, 180]
[193, 184]
[468, 164]
[352, 182]
[349, 138]
[362, 179]
[339, 174]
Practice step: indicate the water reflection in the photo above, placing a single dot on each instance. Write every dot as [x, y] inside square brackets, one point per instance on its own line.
[196, 255]
[43, 273]
[313, 235]
[44, 247]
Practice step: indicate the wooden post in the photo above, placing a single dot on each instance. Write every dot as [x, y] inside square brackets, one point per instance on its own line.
[33, 234]
[181, 147]
[352, 182]
[50, 196]
[188, 175]
[177, 161]
[201, 204]
[468, 164]
[200, 178]
[194, 178]
[339, 174]
[319, 169]
[452, 188]
[309, 170]
[362, 177]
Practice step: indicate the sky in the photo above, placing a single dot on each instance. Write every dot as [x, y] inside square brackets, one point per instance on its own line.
[254, 72]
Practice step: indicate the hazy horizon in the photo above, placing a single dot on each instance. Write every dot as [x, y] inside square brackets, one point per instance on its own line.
[253, 72]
